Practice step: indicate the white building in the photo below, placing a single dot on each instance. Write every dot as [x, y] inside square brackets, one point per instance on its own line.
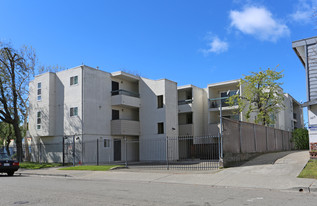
[290, 118]
[101, 110]
[91, 104]
[191, 110]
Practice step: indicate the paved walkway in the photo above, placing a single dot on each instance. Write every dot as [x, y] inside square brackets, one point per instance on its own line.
[269, 171]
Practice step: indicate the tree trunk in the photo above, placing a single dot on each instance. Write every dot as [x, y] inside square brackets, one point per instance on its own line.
[7, 148]
[8, 140]
[18, 138]
[26, 143]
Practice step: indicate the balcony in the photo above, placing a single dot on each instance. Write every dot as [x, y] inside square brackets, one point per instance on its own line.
[214, 105]
[125, 98]
[186, 129]
[125, 127]
[185, 105]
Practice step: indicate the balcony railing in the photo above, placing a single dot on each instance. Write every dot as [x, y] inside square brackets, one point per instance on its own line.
[185, 101]
[216, 103]
[125, 92]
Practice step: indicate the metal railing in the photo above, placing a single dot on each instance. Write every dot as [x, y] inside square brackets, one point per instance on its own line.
[185, 101]
[125, 92]
[183, 152]
[223, 102]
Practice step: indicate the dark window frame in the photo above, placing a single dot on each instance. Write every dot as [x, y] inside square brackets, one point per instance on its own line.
[115, 114]
[73, 111]
[160, 101]
[160, 128]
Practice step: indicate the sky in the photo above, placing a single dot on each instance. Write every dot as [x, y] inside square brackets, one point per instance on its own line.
[190, 42]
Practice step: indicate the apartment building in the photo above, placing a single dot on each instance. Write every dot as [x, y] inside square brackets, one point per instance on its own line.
[217, 94]
[90, 104]
[289, 118]
[191, 110]
[87, 105]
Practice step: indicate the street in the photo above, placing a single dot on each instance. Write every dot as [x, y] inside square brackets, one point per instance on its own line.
[58, 190]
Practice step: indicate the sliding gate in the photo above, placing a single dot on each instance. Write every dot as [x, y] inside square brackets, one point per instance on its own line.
[187, 153]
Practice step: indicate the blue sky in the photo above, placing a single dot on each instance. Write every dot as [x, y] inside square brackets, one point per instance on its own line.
[190, 42]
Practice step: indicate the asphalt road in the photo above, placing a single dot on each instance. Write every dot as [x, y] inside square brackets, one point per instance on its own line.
[50, 190]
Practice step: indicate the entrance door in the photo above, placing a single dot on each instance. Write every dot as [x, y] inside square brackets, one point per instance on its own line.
[117, 150]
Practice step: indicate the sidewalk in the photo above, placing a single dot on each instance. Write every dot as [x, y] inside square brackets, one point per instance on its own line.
[270, 171]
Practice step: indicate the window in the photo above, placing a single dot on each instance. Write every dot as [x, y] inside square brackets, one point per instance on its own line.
[39, 91]
[106, 142]
[160, 128]
[115, 114]
[74, 111]
[160, 101]
[39, 120]
[189, 118]
[114, 88]
[74, 80]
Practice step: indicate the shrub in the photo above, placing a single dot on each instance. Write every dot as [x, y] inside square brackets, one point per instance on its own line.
[301, 139]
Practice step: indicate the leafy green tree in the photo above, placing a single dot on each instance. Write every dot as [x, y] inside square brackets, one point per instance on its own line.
[262, 95]
[300, 138]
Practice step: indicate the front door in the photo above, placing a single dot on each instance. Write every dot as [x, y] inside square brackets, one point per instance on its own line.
[117, 150]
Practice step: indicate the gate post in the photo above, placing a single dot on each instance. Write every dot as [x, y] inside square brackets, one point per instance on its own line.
[167, 165]
[126, 151]
[97, 151]
[74, 150]
[63, 146]
[219, 147]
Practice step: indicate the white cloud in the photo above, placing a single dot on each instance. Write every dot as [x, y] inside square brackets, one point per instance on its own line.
[258, 21]
[304, 11]
[216, 46]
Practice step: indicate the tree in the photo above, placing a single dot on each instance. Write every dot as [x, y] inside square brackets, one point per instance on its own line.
[16, 69]
[6, 135]
[300, 138]
[262, 95]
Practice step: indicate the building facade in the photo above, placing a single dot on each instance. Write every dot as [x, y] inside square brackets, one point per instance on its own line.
[86, 105]
[306, 51]
[91, 105]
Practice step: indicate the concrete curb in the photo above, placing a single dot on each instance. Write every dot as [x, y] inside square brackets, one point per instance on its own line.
[43, 174]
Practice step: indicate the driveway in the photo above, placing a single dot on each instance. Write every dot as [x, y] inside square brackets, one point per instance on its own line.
[271, 171]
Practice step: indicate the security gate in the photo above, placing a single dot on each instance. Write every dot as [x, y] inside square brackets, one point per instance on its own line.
[188, 153]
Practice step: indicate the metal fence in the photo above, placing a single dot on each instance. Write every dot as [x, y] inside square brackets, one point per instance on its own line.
[197, 153]
[188, 153]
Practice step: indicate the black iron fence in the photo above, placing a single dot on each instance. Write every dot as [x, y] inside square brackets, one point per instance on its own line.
[160, 153]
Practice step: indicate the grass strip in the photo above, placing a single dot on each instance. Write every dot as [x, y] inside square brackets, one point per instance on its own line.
[91, 167]
[36, 165]
[310, 170]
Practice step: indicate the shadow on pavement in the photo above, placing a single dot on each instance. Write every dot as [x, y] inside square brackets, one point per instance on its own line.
[269, 158]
